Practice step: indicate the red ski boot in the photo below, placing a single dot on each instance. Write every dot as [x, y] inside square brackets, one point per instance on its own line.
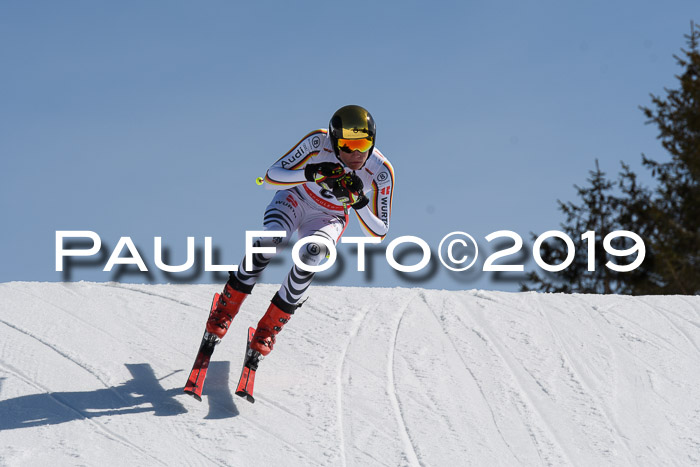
[278, 314]
[225, 310]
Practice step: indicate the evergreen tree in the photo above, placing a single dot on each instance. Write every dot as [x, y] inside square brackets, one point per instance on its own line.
[667, 216]
[597, 213]
[670, 215]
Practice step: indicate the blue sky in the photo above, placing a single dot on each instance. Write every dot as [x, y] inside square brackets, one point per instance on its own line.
[147, 119]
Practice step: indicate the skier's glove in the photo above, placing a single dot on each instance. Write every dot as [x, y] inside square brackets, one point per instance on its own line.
[352, 183]
[354, 200]
[325, 172]
[361, 202]
[348, 191]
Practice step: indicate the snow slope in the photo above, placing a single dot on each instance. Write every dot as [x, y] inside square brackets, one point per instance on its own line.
[92, 374]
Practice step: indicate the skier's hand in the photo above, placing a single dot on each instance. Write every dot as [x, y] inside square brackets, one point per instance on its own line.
[360, 202]
[348, 190]
[325, 172]
[352, 183]
[348, 198]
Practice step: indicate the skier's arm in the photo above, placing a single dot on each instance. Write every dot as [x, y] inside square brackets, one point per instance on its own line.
[375, 216]
[289, 169]
[278, 178]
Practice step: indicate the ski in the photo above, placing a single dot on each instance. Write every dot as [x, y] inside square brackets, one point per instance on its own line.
[195, 383]
[250, 366]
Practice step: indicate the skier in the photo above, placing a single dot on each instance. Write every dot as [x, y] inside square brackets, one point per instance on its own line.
[322, 176]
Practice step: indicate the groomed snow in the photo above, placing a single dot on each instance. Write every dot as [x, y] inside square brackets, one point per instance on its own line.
[92, 374]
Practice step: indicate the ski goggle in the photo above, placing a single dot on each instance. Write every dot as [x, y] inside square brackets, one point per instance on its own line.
[350, 145]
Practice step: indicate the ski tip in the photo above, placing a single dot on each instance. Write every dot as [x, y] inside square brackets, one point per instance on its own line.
[246, 396]
[193, 394]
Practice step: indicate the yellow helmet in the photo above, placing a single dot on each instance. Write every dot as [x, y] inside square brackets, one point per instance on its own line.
[351, 122]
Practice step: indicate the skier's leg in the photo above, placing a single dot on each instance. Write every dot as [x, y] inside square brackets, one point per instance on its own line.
[277, 315]
[286, 300]
[281, 214]
[298, 280]
[227, 306]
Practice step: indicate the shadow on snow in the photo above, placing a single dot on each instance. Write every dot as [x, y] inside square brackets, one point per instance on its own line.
[142, 393]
